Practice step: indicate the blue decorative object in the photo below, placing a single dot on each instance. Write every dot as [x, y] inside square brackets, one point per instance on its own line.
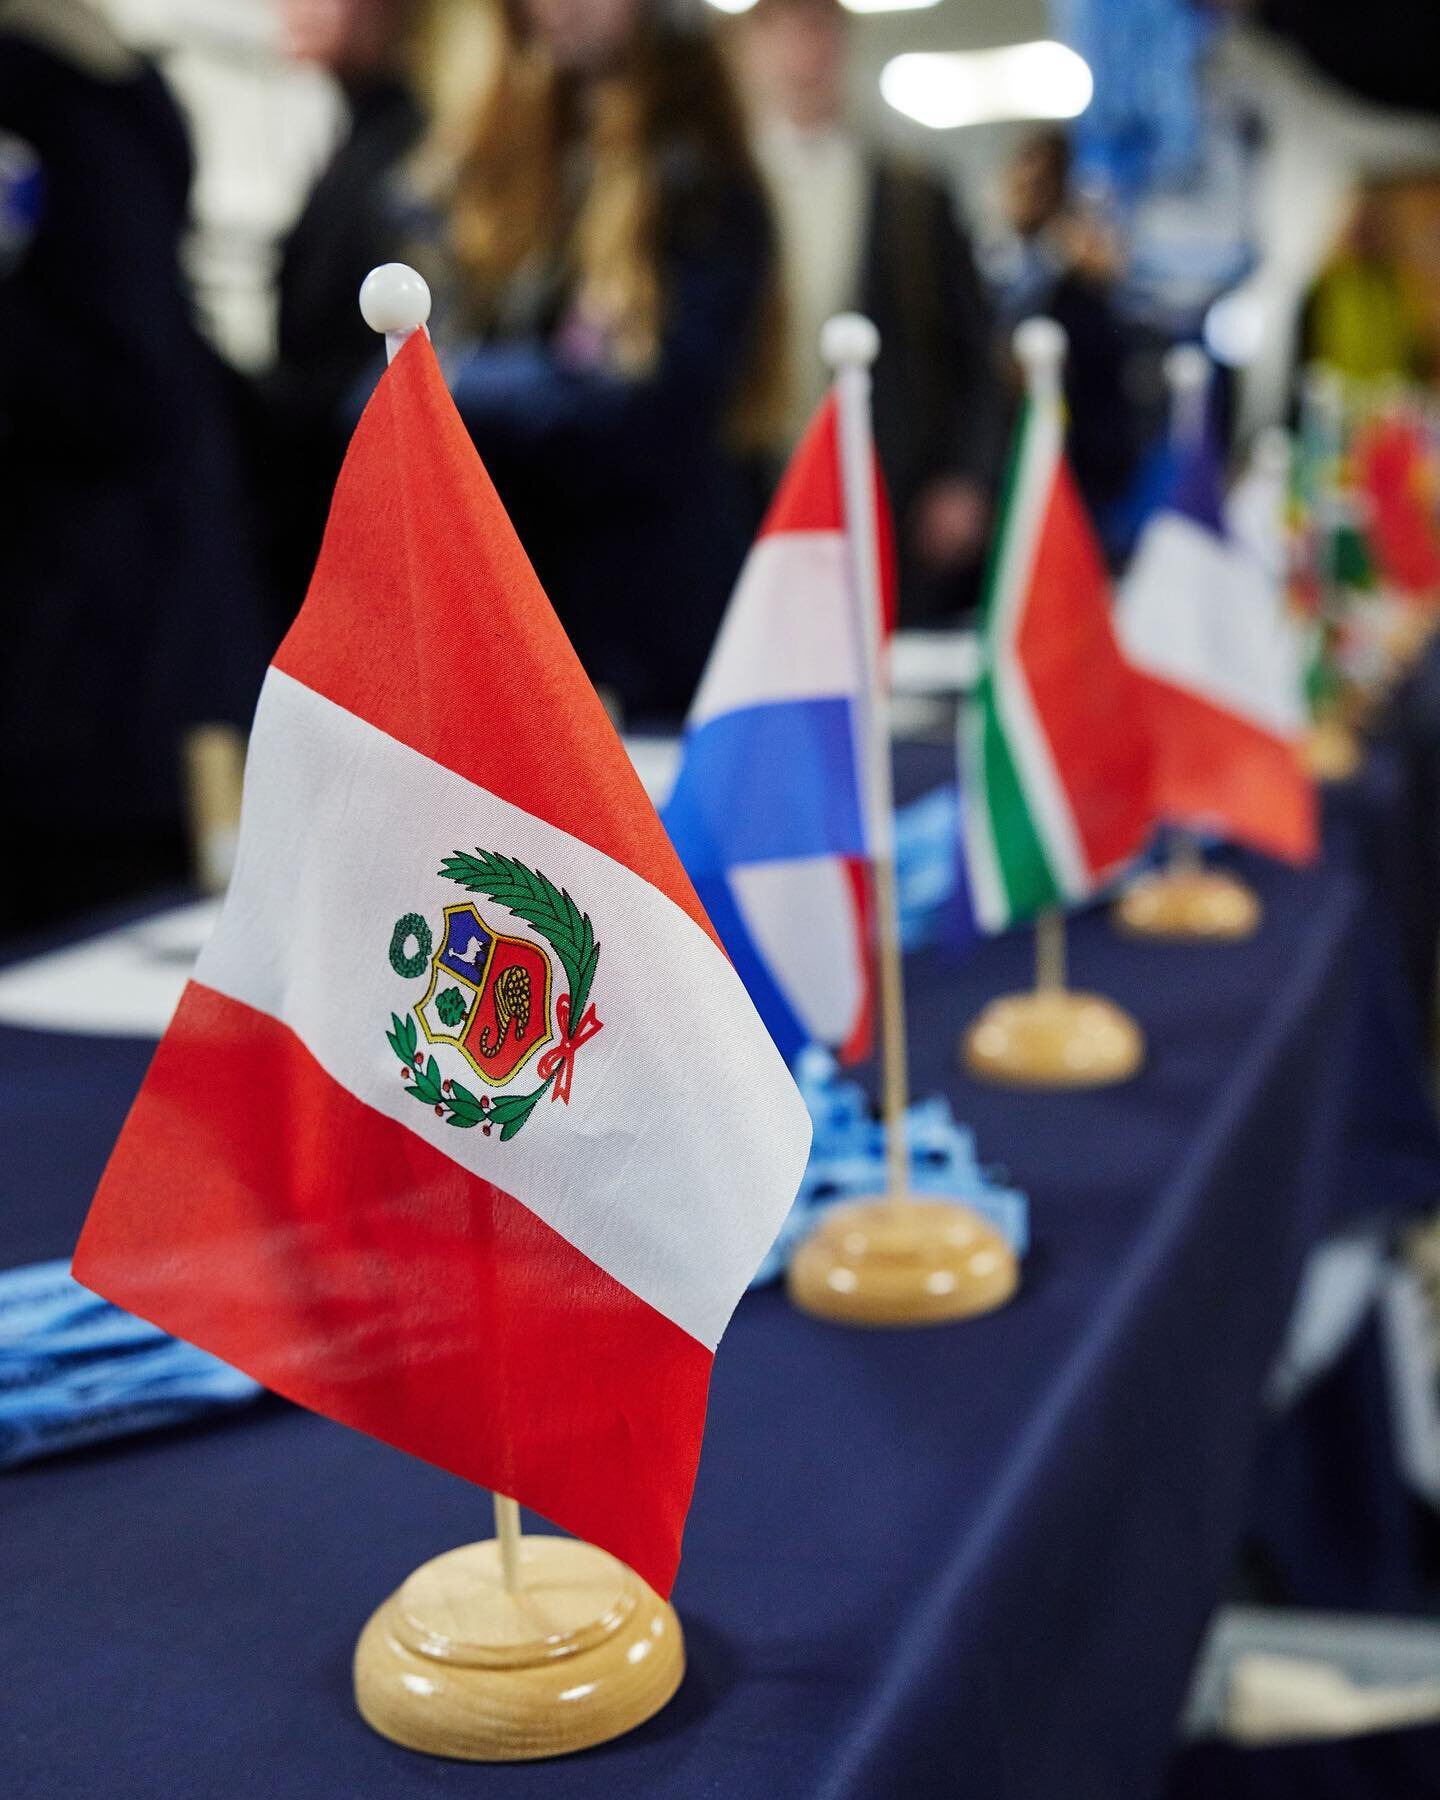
[75, 1370]
[1144, 124]
[847, 1161]
[927, 864]
[22, 190]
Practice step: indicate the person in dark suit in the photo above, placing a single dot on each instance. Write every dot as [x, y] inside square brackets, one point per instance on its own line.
[862, 228]
[296, 421]
[1064, 261]
[604, 273]
[129, 608]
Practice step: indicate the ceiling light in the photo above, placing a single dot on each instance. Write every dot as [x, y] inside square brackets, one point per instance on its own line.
[884, 6]
[854, 6]
[945, 89]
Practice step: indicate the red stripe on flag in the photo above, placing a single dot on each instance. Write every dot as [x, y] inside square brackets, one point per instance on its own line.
[1216, 770]
[860, 1042]
[423, 602]
[1088, 698]
[811, 497]
[258, 1209]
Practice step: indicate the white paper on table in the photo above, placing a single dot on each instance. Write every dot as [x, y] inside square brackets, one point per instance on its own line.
[934, 662]
[124, 983]
[127, 983]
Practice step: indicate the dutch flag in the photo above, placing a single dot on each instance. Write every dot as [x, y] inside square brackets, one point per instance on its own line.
[768, 810]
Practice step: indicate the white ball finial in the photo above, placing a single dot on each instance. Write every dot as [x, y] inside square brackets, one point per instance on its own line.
[1040, 342]
[394, 298]
[849, 341]
[1040, 346]
[1187, 369]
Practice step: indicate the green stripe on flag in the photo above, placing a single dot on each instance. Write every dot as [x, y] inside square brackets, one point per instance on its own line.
[1025, 872]
[1027, 879]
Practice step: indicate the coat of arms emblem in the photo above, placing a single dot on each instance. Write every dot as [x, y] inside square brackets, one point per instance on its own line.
[500, 1002]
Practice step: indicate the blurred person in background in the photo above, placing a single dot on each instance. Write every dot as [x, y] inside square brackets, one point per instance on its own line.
[129, 614]
[605, 285]
[297, 429]
[1363, 316]
[862, 229]
[1062, 260]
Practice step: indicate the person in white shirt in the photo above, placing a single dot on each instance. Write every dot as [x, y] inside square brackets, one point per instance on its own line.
[859, 227]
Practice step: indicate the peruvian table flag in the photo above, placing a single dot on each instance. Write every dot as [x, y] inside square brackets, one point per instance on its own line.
[1204, 622]
[1055, 748]
[466, 1133]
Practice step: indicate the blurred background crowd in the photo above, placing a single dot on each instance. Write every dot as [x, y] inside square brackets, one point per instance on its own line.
[634, 215]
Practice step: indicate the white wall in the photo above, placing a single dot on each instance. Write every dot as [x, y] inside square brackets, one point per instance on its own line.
[1321, 141]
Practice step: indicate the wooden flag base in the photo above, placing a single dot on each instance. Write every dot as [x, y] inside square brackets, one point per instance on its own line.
[902, 1262]
[1407, 638]
[1053, 1038]
[581, 1651]
[1199, 904]
[1332, 750]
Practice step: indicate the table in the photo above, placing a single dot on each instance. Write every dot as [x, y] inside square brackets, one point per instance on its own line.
[970, 1560]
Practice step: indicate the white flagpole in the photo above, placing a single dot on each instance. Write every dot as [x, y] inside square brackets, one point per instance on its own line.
[1040, 346]
[850, 344]
[1187, 375]
[395, 299]
[507, 1535]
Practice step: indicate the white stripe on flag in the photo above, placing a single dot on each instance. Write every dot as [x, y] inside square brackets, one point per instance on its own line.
[987, 891]
[1205, 615]
[801, 915]
[684, 1139]
[788, 632]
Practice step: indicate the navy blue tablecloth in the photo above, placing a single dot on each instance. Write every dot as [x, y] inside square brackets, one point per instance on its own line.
[971, 1560]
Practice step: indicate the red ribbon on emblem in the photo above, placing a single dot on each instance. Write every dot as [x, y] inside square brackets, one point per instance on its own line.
[559, 1060]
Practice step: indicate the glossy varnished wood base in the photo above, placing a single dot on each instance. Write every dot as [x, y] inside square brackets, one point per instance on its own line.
[1207, 905]
[1332, 750]
[454, 1665]
[902, 1262]
[1053, 1038]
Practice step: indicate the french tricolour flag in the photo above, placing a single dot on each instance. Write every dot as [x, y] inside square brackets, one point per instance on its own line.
[465, 1132]
[1203, 621]
[768, 809]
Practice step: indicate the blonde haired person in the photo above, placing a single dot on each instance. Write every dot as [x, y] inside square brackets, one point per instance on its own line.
[605, 284]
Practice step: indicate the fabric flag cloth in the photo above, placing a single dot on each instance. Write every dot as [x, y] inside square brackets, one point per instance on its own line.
[1204, 622]
[466, 1133]
[1395, 477]
[767, 811]
[1055, 748]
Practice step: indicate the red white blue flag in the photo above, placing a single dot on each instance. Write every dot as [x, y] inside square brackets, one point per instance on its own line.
[768, 810]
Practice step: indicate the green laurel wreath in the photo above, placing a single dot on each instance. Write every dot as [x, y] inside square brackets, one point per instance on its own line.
[551, 912]
[412, 925]
[454, 1102]
[536, 900]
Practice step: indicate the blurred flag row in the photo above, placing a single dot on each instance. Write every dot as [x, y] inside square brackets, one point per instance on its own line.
[1182, 694]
